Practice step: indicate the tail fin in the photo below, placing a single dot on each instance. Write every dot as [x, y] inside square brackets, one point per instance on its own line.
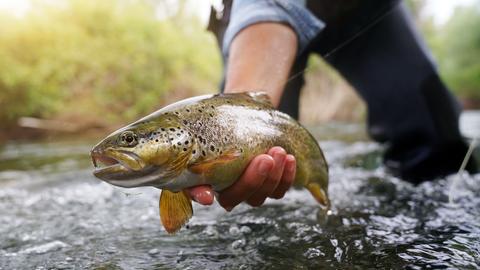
[319, 194]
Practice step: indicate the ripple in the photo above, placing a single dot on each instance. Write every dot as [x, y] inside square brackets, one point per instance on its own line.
[56, 215]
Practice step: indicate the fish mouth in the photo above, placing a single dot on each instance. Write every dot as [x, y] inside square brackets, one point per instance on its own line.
[106, 165]
[115, 164]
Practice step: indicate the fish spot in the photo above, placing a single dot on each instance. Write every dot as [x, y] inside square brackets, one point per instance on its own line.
[186, 142]
[194, 152]
[200, 111]
[188, 110]
[212, 148]
[203, 153]
[162, 129]
[156, 140]
[172, 129]
[179, 143]
[212, 107]
[185, 122]
[211, 114]
[178, 134]
[184, 149]
[176, 113]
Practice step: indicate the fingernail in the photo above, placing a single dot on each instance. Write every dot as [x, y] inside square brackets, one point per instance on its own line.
[264, 167]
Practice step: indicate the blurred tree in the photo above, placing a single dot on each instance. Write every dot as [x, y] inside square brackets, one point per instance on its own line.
[111, 58]
[455, 45]
[460, 53]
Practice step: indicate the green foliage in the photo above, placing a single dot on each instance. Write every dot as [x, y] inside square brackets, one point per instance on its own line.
[112, 58]
[455, 45]
[460, 53]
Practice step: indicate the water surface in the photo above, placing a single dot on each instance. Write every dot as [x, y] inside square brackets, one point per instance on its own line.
[55, 215]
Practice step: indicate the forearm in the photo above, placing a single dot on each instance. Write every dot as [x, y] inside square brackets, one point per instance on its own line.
[260, 59]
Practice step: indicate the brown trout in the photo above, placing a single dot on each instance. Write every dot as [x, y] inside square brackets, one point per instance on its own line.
[205, 140]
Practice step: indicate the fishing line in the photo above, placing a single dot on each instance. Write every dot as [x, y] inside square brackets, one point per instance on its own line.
[460, 172]
[346, 42]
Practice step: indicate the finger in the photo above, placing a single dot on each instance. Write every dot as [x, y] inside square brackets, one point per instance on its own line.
[202, 194]
[288, 178]
[278, 154]
[273, 179]
[252, 179]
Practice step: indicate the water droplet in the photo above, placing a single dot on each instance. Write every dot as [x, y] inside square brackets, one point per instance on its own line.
[238, 244]
[245, 230]
[234, 230]
[272, 238]
[153, 251]
[111, 250]
[313, 253]
[210, 231]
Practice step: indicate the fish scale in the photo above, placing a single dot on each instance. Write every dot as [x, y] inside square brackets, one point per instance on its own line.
[206, 140]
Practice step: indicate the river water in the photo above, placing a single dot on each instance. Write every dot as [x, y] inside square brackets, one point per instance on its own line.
[56, 215]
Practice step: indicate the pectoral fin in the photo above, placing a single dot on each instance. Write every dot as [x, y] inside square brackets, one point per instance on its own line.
[175, 210]
[206, 166]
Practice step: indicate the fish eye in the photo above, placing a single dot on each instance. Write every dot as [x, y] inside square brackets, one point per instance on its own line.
[128, 138]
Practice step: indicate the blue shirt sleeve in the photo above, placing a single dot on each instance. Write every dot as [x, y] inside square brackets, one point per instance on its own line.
[291, 12]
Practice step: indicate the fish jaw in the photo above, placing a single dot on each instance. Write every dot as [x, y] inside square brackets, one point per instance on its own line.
[117, 164]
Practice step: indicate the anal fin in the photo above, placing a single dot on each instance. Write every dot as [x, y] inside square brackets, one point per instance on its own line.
[175, 210]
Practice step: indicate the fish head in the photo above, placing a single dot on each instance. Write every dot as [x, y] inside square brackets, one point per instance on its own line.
[148, 152]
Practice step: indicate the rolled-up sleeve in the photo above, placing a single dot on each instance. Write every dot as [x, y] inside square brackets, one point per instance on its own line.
[291, 12]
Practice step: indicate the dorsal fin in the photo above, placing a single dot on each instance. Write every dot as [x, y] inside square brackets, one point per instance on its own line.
[260, 97]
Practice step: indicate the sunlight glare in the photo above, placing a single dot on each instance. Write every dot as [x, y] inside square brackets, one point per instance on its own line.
[17, 7]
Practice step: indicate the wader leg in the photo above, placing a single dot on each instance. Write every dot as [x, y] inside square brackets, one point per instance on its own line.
[409, 107]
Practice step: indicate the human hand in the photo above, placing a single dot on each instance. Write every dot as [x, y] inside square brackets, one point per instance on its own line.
[267, 176]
